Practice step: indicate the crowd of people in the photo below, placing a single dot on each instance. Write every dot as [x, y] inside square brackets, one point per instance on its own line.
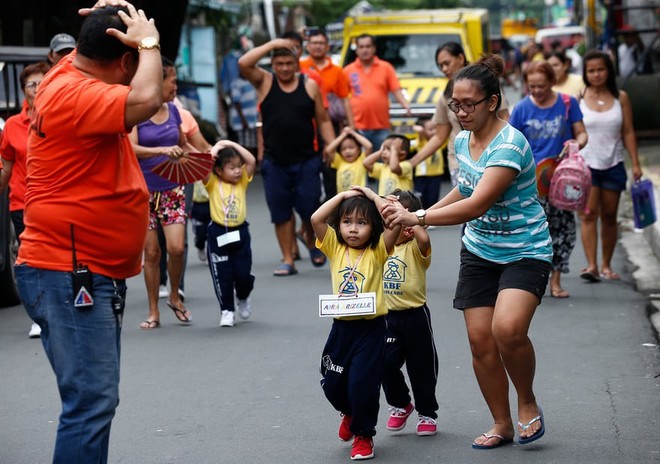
[325, 134]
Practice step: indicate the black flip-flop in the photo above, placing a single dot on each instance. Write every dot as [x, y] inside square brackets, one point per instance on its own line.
[178, 312]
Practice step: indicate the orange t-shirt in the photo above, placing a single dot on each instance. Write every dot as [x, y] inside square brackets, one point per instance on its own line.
[13, 147]
[370, 102]
[333, 78]
[82, 171]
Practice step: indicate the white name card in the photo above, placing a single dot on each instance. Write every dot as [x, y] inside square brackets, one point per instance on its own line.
[362, 304]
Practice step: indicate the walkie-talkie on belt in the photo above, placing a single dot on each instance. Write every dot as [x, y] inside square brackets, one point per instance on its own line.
[83, 283]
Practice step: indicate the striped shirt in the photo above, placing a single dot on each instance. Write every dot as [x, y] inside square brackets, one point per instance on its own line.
[515, 226]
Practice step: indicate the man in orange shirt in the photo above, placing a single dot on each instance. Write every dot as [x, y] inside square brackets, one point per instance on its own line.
[372, 80]
[86, 215]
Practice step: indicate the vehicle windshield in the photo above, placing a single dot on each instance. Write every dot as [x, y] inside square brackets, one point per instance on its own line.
[411, 55]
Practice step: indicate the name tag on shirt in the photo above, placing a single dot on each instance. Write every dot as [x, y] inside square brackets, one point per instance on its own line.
[362, 304]
[229, 237]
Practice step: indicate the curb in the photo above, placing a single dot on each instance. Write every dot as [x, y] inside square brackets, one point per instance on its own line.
[643, 250]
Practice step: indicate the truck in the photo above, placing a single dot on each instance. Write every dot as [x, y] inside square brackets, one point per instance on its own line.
[408, 39]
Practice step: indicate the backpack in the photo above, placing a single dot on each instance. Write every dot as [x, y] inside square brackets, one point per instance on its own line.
[571, 181]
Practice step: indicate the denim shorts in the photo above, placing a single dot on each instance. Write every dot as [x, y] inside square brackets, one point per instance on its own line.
[613, 178]
[480, 280]
[292, 186]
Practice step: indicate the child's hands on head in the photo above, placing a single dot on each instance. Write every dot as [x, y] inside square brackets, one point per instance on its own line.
[219, 146]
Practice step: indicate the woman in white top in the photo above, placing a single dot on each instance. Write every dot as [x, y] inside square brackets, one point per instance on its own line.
[608, 119]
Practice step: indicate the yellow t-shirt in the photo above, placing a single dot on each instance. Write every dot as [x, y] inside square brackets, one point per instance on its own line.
[349, 173]
[228, 201]
[434, 165]
[573, 86]
[368, 275]
[388, 181]
[404, 277]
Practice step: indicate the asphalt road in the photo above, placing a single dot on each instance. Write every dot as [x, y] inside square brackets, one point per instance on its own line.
[250, 394]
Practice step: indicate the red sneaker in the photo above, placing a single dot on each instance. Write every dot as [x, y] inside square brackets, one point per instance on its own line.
[363, 448]
[398, 417]
[344, 432]
[426, 426]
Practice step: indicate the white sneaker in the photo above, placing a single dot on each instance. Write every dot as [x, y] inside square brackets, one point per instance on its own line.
[227, 319]
[35, 331]
[163, 292]
[244, 308]
[201, 254]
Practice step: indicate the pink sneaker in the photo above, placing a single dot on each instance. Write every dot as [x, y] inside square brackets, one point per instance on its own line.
[344, 432]
[363, 448]
[426, 426]
[398, 417]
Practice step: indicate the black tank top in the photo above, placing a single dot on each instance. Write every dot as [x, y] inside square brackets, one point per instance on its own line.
[288, 124]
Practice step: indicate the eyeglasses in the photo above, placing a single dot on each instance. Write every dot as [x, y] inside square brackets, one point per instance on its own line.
[32, 85]
[467, 107]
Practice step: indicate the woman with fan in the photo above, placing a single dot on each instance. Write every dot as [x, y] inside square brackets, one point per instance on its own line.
[155, 141]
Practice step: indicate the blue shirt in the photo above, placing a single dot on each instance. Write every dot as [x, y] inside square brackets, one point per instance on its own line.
[546, 129]
[515, 226]
[243, 92]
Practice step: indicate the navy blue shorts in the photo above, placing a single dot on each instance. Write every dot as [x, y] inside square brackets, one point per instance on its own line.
[290, 186]
[480, 280]
[613, 178]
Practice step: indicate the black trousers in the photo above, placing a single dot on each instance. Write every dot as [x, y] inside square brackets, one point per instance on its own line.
[230, 265]
[351, 371]
[410, 341]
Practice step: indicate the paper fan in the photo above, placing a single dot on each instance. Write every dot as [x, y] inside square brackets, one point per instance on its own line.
[544, 171]
[187, 169]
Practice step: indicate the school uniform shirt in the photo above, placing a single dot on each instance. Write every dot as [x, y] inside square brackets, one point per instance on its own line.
[546, 129]
[404, 277]
[515, 226]
[432, 166]
[228, 201]
[388, 181]
[349, 173]
[368, 275]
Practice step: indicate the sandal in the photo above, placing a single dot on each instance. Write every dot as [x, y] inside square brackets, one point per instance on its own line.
[149, 324]
[180, 312]
[589, 275]
[609, 274]
[536, 435]
[559, 293]
[501, 441]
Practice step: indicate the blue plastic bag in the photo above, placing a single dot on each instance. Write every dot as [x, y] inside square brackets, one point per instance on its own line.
[643, 201]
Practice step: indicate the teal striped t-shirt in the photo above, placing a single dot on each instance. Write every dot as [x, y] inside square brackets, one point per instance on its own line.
[515, 226]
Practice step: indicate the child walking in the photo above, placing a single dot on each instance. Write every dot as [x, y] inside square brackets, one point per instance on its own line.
[394, 171]
[352, 148]
[409, 332]
[229, 250]
[428, 172]
[350, 232]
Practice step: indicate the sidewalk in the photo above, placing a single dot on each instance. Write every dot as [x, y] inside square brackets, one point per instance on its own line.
[643, 248]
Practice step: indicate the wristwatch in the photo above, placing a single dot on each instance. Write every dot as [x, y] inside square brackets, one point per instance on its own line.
[148, 43]
[421, 216]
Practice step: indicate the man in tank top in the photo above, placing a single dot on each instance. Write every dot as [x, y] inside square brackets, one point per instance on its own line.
[291, 109]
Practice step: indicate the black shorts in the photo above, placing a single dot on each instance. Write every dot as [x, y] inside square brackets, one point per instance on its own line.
[479, 280]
